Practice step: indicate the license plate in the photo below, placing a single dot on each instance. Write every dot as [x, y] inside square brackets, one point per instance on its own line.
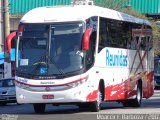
[47, 96]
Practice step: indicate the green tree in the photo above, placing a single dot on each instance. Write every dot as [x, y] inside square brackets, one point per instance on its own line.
[112, 4]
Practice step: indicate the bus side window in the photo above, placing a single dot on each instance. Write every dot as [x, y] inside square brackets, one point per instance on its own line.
[142, 43]
[103, 34]
[133, 43]
[149, 43]
[137, 42]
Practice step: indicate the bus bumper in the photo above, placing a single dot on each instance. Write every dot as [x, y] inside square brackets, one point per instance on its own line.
[78, 94]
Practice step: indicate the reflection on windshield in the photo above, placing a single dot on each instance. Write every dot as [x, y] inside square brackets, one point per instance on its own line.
[50, 49]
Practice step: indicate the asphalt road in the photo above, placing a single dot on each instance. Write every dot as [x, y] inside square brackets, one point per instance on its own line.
[150, 110]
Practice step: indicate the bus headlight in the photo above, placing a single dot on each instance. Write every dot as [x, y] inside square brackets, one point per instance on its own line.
[20, 85]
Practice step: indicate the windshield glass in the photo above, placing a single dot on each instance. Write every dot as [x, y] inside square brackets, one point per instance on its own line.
[157, 66]
[50, 49]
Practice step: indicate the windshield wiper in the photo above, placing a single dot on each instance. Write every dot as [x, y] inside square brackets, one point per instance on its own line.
[59, 69]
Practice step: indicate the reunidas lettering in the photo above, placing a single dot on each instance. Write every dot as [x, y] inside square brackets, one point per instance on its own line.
[116, 60]
[47, 83]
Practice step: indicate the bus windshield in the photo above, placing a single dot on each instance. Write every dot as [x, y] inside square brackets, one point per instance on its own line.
[50, 49]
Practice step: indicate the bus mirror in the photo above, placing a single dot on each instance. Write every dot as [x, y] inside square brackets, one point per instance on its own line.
[86, 39]
[8, 41]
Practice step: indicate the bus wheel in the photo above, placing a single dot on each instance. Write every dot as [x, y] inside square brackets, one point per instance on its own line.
[96, 105]
[39, 108]
[134, 102]
[138, 99]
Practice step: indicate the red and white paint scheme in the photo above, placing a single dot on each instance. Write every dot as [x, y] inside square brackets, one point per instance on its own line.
[83, 55]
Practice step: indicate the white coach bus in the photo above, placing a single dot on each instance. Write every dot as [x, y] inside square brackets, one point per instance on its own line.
[83, 55]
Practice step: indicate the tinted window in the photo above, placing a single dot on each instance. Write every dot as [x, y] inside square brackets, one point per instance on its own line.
[114, 33]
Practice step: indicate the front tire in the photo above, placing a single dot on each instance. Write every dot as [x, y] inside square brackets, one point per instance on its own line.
[39, 108]
[96, 105]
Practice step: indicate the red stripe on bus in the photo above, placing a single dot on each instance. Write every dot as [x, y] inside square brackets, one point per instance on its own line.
[65, 84]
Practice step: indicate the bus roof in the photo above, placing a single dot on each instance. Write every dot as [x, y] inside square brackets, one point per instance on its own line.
[75, 13]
